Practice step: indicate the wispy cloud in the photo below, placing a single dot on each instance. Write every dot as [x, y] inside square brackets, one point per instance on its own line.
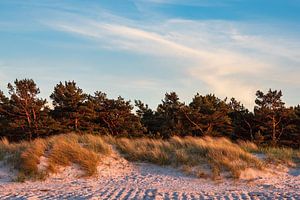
[218, 53]
[147, 47]
[221, 61]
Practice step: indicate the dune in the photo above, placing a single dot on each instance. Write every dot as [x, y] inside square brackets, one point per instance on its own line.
[119, 179]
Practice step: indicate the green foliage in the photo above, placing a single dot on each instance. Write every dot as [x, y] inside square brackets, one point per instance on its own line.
[68, 101]
[209, 116]
[113, 116]
[23, 115]
[271, 116]
[77, 111]
[291, 138]
[242, 121]
[205, 115]
[169, 115]
[148, 118]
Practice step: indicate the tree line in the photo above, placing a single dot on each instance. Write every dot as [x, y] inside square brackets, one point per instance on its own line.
[24, 115]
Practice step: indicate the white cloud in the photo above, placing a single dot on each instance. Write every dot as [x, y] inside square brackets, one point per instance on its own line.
[286, 48]
[218, 53]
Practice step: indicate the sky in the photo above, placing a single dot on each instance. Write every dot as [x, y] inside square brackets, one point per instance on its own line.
[141, 49]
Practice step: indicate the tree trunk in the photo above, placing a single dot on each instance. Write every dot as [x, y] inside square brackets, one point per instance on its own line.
[209, 129]
[76, 124]
[35, 119]
[29, 124]
[192, 122]
[250, 129]
[108, 125]
[273, 131]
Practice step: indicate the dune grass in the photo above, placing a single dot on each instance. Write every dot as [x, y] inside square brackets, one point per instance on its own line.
[190, 153]
[277, 155]
[282, 155]
[63, 150]
[201, 157]
[64, 153]
[29, 160]
[23, 156]
[248, 146]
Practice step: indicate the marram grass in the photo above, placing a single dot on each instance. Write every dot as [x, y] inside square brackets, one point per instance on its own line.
[200, 157]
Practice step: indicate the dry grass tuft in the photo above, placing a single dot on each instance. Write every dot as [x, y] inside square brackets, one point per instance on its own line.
[4, 144]
[153, 151]
[201, 157]
[64, 152]
[281, 155]
[61, 150]
[248, 146]
[95, 143]
[219, 153]
[23, 156]
[11, 152]
[30, 158]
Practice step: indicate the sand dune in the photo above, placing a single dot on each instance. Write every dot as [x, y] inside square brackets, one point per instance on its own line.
[119, 179]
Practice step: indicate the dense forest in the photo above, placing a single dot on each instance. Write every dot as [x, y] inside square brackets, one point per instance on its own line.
[24, 115]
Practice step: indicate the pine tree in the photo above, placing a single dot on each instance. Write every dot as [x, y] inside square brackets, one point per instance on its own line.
[271, 115]
[291, 137]
[69, 105]
[23, 112]
[208, 115]
[148, 118]
[169, 116]
[242, 121]
[114, 116]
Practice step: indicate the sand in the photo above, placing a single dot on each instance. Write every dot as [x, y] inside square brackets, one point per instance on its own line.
[119, 179]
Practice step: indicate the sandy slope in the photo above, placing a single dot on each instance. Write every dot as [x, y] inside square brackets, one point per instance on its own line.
[119, 179]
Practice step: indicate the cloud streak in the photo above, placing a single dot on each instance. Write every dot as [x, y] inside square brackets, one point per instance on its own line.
[217, 53]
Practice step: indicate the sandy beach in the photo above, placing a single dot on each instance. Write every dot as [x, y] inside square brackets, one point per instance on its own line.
[120, 179]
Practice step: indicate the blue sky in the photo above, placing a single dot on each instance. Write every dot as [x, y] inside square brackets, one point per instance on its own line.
[140, 49]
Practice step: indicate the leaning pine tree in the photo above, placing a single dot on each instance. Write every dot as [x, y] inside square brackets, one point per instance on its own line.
[23, 112]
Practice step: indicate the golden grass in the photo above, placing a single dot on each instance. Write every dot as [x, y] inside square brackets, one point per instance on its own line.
[23, 156]
[248, 146]
[64, 153]
[95, 143]
[61, 150]
[11, 152]
[219, 153]
[83, 150]
[281, 155]
[4, 145]
[201, 157]
[30, 157]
